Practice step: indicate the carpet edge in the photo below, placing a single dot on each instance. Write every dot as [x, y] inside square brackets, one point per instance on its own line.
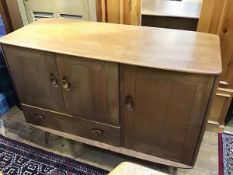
[56, 155]
[220, 154]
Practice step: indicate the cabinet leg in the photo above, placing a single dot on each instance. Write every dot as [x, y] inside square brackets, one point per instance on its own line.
[172, 170]
[46, 139]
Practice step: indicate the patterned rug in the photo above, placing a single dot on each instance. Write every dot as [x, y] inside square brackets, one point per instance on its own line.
[20, 159]
[225, 145]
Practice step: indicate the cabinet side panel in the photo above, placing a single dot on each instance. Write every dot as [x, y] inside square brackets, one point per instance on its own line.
[207, 112]
[197, 120]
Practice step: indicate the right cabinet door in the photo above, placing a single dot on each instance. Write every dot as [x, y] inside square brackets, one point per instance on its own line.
[163, 112]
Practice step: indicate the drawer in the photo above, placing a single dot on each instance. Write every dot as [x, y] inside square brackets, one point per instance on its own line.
[77, 126]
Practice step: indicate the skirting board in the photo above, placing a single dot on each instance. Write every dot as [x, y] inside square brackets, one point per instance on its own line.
[215, 123]
[116, 149]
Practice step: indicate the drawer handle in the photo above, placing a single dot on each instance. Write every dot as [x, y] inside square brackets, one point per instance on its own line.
[65, 84]
[53, 80]
[129, 102]
[40, 117]
[97, 132]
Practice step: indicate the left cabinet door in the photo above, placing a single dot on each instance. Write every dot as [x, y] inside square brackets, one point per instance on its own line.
[35, 77]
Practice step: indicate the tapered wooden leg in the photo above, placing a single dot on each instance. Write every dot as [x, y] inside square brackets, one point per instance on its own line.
[172, 170]
[46, 139]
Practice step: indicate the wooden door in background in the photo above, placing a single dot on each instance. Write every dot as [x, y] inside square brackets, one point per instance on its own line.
[18, 12]
[216, 18]
[226, 35]
[6, 16]
[119, 11]
[36, 78]
[72, 9]
[163, 112]
[91, 88]
[221, 104]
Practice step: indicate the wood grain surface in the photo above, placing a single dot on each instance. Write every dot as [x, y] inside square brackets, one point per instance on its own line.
[94, 88]
[69, 124]
[167, 49]
[166, 111]
[31, 71]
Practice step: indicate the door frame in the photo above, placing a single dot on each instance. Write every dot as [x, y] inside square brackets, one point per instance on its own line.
[6, 16]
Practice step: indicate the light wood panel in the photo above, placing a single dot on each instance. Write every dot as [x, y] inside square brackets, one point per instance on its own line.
[100, 11]
[212, 13]
[135, 16]
[206, 15]
[226, 36]
[216, 18]
[128, 168]
[151, 47]
[220, 106]
[120, 11]
[113, 11]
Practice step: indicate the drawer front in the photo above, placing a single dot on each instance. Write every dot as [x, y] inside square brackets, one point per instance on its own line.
[65, 123]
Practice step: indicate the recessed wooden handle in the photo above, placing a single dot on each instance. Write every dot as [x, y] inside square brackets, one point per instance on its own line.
[53, 80]
[65, 84]
[40, 117]
[97, 132]
[129, 104]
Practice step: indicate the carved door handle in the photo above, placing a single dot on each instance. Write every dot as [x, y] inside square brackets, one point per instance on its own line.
[39, 117]
[53, 80]
[65, 84]
[97, 132]
[129, 104]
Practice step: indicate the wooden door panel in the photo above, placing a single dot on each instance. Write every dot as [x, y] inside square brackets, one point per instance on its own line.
[168, 99]
[94, 89]
[226, 37]
[167, 114]
[31, 71]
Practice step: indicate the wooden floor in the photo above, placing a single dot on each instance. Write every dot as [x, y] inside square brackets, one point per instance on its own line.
[13, 126]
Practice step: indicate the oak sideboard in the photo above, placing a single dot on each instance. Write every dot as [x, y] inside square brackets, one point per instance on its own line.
[140, 91]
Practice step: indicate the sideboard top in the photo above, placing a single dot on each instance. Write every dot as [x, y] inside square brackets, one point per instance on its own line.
[167, 49]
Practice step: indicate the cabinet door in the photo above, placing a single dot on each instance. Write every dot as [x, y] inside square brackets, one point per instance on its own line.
[35, 77]
[163, 112]
[91, 89]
